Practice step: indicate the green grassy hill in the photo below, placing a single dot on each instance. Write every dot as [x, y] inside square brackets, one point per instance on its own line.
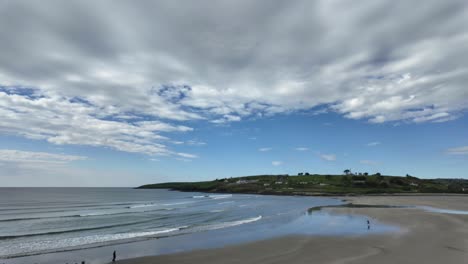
[319, 185]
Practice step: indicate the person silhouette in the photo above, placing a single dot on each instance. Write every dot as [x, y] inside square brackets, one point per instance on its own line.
[114, 255]
[368, 224]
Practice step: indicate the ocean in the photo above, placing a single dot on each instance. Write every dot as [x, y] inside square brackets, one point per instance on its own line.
[53, 225]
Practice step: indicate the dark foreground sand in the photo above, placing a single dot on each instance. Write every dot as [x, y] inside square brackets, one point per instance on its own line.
[426, 238]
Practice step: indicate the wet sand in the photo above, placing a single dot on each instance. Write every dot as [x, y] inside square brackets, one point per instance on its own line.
[426, 237]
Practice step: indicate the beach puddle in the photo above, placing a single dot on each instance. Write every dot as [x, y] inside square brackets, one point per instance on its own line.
[324, 222]
[419, 207]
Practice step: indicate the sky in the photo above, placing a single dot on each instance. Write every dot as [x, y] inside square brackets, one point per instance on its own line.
[123, 93]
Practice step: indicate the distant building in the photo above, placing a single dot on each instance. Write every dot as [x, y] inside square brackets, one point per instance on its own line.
[323, 184]
[266, 184]
[241, 181]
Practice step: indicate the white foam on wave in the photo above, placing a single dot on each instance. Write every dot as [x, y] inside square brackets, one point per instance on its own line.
[200, 196]
[233, 223]
[142, 205]
[35, 246]
[220, 196]
[98, 214]
[119, 212]
[216, 211]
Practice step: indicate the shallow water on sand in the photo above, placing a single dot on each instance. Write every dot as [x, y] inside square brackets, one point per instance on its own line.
[95, 221]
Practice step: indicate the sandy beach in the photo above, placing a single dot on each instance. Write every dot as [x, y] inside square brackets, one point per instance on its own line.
[426, 237]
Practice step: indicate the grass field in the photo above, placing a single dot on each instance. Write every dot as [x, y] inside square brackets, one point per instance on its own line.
[315, 184]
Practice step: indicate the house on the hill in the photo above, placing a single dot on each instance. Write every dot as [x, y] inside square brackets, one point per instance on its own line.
[242, 181]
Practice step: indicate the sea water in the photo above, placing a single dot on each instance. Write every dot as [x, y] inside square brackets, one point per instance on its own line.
[59, 225]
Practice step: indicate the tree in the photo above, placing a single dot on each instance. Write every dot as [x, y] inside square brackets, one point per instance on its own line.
[347, 171]
[307, 174]
[300, 174]
[378, 174]
[366, 174]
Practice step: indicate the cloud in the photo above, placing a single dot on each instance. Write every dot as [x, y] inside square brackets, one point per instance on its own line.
[11, 155]
[226, 119]
[61, 120]
[118, 74]
[187, 155]
[328, 157]
[264, 149]
[195, 143]
[276, 163]
[368, 162]
[302, 149]
[373, 144]
[458, 151]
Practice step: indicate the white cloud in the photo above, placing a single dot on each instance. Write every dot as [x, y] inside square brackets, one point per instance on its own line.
[264, 149]
[302, 149]
[61, 120]
[195, 143]
[328, 157]
[276, 163]
[11, 155]
[458, 151]
[373, 144]
[226, 119]
[161, 127]
[187, 155]
[118, 74]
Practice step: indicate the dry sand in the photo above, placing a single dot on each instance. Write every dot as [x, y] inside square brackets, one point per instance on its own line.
[426, 238]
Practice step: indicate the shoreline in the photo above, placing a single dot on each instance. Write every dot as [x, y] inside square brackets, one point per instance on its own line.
[427, 237]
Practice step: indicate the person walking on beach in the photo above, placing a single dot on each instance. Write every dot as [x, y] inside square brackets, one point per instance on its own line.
[368, 224]
[114, 255]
